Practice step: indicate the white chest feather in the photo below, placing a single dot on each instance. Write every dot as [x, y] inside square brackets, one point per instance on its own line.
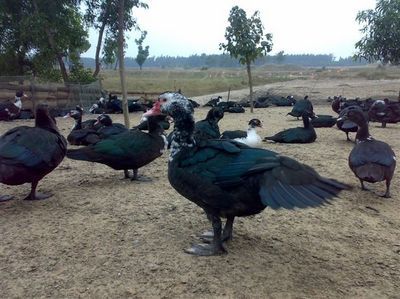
[252, 139]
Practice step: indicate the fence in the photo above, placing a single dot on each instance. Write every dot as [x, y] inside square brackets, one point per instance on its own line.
[56, 95]
[59, 95]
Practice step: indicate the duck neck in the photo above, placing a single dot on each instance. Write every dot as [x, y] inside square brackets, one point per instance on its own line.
[183, 133]
[363, 132]
[46, 122]
[306, 122]
[155, 128]
[78, 124]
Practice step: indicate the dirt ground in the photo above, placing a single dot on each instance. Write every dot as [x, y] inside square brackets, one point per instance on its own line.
[101, 236]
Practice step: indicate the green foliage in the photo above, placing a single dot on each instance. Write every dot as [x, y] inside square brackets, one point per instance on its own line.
[245, 37]
[110, 50]
[246, 41]
[381, 31]
[40, 33]
[143, 53]
[78, 74]
[102, 15]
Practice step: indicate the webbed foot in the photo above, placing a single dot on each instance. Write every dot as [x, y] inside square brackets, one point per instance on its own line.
[6, 198]
[38, 196]
[206, 249]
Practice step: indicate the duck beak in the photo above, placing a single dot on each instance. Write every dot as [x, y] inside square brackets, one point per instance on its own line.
[67, 115]
[343, 118]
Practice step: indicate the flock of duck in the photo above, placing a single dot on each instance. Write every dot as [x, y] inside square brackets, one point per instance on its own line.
[227, 174]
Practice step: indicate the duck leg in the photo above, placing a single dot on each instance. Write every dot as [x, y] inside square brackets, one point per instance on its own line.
[363, 186]
[347, 136]
[36, 196]
[387, 193]
[126, 174]
[215, 247]
[135, 175]
[208, 236]
[228, 228]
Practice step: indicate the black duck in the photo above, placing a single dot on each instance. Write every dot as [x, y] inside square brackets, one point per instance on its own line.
[27, 154]
[371, 160]
[229, 179]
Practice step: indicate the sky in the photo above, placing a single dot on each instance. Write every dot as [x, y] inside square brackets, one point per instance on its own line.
[187, 27]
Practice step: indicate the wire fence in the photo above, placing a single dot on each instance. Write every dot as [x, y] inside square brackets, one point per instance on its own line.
[56, 95]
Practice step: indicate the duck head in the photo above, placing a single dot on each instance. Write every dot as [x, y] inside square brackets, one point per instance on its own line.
[75, 113]
[104, 120]
[175, 105]
[215, 114]
[43, 118]
[255, 122]
[353, 114]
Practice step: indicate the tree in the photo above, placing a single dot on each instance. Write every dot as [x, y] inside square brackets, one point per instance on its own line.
[37, 34]
[381, 31]
[246, 41]
[103, 16]
[280, 57]
[142, 53]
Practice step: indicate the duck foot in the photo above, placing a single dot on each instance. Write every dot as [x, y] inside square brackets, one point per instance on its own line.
[386, 195]
[6, 198]
[206, 249]
[38, 196]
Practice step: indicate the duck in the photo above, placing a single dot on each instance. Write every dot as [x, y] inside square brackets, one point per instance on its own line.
[249, 137]
[229, 179]
[347, 125]
[208, 128]
[130, 149]
[282, 101]
[12, 110]
[82, 133]
[27, 154]
[300, 106]
[323, 121]
[385, 112]
[213, 101]
[370, 160]
[305, 134]
[108, 127]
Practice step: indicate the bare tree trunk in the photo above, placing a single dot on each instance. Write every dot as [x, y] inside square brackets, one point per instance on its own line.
[121, 9]
[250, 86]
[98, 48]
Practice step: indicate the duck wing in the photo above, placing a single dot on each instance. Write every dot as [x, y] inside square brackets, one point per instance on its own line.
[132, 148]
[33, 148]
[233, 134]
[279, 181]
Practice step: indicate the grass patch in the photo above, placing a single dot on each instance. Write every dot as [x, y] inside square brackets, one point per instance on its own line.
[195, 82]
[191, 82]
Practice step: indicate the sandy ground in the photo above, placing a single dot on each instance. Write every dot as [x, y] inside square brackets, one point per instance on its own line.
[100, 236]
